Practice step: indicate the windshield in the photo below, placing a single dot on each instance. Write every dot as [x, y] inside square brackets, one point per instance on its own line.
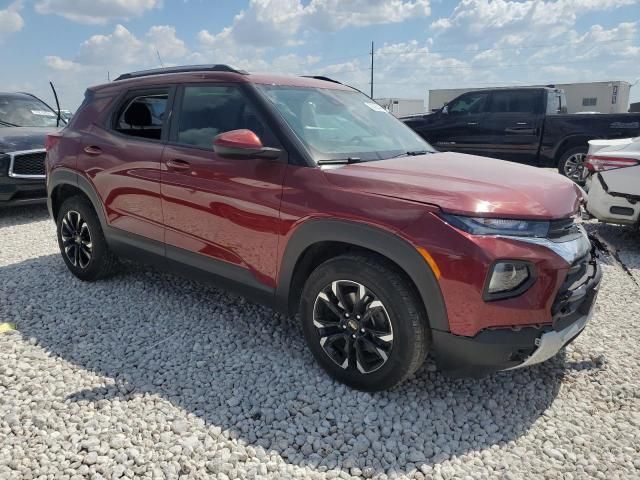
[25, 112]
[338, 124]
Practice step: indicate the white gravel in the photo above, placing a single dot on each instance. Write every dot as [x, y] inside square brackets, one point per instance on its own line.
[147, 375]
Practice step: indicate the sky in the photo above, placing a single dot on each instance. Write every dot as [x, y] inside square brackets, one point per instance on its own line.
[419, 44]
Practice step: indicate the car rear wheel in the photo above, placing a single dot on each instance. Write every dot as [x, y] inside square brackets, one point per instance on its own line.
[81, 241]
[363, 322]
[571, 164]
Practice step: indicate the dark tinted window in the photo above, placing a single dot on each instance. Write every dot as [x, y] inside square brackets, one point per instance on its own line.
[515, 102]
[208, 111]
[468, 104]
[143, 115]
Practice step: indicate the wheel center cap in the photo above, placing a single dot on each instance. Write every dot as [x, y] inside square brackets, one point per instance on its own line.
[352, 324]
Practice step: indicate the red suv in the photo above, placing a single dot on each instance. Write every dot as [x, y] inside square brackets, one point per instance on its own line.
[305, 195]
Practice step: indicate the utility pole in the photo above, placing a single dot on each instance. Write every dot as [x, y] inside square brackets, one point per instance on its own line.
[371, 71]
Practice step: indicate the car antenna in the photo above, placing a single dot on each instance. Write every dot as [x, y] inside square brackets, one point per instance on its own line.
[160, 58]
[55, 95]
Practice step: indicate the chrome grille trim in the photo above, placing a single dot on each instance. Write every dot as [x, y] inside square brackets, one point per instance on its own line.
[12, 157]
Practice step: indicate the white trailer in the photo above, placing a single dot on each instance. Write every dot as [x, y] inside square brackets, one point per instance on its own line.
[401, 107]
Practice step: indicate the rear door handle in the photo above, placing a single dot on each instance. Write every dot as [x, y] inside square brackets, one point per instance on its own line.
[92, 150]
[177, 164]
[472, 123]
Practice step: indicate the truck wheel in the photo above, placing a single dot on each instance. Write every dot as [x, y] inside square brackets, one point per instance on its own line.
[363, 322]
[81, 240]
[571, 164]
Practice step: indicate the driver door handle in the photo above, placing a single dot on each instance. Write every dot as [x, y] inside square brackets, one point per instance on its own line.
[178, 165]
[472, 123]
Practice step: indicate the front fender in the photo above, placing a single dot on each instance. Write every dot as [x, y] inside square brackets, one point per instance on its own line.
[383, 242]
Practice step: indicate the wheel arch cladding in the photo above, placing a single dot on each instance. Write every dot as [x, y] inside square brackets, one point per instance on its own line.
[358, 235]
[570, 142]
[66, 183]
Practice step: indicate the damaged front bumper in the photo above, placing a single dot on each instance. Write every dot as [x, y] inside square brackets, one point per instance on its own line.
[499, 349]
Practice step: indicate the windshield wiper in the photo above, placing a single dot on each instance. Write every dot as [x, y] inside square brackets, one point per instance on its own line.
[411, 153]
[339, 161]
[7, 124]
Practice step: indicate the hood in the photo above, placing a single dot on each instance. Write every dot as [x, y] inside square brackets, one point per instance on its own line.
[14, 139]
[466, 185]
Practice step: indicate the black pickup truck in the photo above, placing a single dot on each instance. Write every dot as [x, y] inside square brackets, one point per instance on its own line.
[526, 125]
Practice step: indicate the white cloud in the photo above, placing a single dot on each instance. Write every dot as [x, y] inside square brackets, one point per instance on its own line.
[10, 20]
[279, 22]
[123, 49]
[56, 63]
[164, 39]
[477, 17]
[338, 14]
[96, 11]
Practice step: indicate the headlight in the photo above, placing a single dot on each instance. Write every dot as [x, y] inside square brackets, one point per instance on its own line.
[508, 278]
[499, 226]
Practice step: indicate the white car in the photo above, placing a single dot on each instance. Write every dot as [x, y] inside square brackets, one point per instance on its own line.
[614, 180]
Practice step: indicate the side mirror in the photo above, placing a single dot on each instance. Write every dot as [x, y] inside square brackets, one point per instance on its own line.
[242, 144]
[445, 109]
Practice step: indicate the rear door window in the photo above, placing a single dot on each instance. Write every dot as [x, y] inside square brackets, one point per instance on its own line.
[207, 111]
[516, 102]
[143, 115]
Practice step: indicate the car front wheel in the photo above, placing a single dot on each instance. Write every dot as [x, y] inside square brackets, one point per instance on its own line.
[363, 322]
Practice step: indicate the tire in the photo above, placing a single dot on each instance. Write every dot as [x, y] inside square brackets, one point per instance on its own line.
[79, 232]
[571, 164]
[396, 325]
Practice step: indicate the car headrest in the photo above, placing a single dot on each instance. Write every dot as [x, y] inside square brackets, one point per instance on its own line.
[138, 115]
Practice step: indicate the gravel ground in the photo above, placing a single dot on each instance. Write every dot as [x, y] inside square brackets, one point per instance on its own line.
[146, 375]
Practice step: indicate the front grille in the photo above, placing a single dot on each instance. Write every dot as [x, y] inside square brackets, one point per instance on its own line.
[27, 164]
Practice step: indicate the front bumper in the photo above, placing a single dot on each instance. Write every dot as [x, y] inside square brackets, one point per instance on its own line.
[497, 349]
[20, 191]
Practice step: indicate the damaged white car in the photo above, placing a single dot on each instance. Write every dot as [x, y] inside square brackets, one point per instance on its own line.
[614, 180]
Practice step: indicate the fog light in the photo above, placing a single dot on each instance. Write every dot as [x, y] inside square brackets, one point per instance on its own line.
[507, 279]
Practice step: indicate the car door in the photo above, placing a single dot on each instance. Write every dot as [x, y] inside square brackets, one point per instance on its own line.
[461, 125]
[122, 160]
[221, 215]
[516, 124]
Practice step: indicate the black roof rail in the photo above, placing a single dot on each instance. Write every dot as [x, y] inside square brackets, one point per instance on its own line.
[327, 79]
[322, 77]
[181, 69]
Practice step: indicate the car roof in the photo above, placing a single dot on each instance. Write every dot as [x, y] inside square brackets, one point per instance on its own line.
[15, 95]
[204, 74]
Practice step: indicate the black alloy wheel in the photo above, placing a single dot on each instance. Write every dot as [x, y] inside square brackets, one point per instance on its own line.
[353, 326]
[76, 239]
